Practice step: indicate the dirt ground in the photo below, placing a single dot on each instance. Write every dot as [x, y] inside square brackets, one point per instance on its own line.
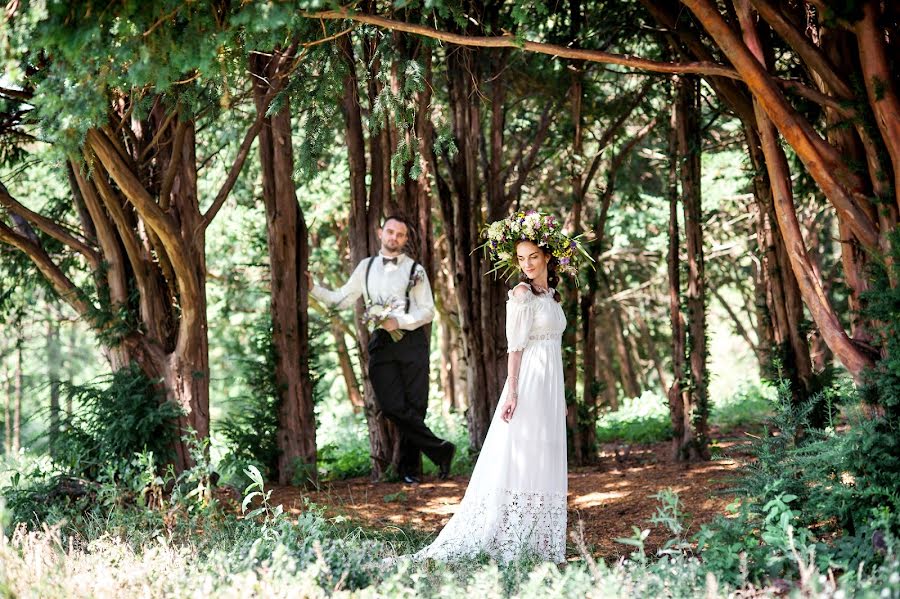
[606, 499]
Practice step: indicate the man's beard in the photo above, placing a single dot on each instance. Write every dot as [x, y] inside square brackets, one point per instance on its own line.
[391, 246]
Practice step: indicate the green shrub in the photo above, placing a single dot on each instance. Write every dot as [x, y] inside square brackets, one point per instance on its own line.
[748, 407]
[643, 419]
[347, 457]
[115, 417]
[807, 487]
[251, 425]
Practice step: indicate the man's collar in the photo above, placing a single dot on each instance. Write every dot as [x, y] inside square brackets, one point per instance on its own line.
[399, 256]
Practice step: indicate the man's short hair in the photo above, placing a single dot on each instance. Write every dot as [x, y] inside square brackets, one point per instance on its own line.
[399, 219]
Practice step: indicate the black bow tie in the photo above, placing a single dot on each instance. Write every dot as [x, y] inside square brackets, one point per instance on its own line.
[385, 260]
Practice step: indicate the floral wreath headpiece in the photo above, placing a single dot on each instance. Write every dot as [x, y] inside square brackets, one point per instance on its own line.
[542, 229]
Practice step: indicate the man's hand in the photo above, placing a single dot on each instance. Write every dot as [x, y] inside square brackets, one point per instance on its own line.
[390, 324]
[508, 409]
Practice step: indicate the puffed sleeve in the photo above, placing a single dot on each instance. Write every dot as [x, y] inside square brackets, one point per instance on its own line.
[519, 316]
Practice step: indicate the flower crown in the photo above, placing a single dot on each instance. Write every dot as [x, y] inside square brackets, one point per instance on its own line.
[542, 229]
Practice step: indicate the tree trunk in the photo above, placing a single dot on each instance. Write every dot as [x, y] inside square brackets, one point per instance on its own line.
[694, 446]
[365, 213]
[16, 442]
[653, 353]
[627, 373]
[679, 397]
[350, 380]
[53, 366]
[481, 299]
[8, 393]
[288, 257]
[603, 365]
[453, 386]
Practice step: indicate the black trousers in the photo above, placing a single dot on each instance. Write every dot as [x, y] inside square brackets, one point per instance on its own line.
[399, 374]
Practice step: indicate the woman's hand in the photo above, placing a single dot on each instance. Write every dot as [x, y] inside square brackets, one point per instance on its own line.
[509, 407]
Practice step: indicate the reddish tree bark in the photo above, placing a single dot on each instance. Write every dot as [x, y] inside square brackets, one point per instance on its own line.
[774, 115]
[679, 398]
[288, 259]
[141, 220]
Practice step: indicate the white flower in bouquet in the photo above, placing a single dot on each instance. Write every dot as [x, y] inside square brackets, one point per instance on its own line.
[380, 310]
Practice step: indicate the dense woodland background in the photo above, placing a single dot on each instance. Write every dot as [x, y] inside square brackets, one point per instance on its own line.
[169, 170]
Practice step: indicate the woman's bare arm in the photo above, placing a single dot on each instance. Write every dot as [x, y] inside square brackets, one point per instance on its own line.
[513, 363]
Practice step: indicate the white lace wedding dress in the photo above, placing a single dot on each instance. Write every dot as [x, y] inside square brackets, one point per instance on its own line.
[515, 504]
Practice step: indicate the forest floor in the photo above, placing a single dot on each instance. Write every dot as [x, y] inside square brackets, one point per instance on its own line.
[608, 498]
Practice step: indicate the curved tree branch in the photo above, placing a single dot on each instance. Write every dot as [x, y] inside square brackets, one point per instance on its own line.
[56, 277]
[819, 158]
[809, 53]
[51, 228]
[511, 41]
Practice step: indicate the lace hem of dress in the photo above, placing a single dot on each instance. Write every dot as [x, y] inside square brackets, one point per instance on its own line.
[506, 525]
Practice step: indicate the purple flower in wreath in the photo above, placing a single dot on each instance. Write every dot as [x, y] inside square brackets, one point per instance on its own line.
[563, 260]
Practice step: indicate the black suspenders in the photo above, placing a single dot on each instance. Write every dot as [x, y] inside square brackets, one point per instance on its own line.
[409, 285]
[366, 282]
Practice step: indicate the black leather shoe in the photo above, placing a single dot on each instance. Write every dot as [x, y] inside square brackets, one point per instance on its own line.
[409, 479]
[444, 466]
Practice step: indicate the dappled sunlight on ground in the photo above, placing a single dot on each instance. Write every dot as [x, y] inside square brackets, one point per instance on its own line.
[608, 498]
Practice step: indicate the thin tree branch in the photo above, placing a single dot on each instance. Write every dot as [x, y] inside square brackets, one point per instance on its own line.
[159, 132]
[816, 96]
[51, 228]
[738, 325]
[172, 168]
[276, 86]
[608, 134]
[511, 41]
[526, 163]
[54, 275]
[809, 53]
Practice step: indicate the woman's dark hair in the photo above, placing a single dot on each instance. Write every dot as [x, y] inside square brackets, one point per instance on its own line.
[552, 275]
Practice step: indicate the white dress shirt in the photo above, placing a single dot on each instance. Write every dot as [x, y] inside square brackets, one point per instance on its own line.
[387, 282]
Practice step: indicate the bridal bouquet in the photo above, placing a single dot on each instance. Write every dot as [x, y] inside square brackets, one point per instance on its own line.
[544, 230]
[379, 311]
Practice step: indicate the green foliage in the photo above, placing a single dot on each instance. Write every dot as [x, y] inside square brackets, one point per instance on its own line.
[807, 490]
[251, 425]
[747, 408]
[826, 492]
[646, 419]
[271, 516]
[882, 386]
[638, 420]
[182, 552]
[118, 416]
[347, 457]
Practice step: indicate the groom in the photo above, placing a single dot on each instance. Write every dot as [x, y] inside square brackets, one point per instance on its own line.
[398, 369]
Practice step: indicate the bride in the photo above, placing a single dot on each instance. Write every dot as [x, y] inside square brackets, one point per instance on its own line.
[515, 505]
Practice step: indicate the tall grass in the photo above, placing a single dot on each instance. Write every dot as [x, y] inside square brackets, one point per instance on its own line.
[112, 555]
